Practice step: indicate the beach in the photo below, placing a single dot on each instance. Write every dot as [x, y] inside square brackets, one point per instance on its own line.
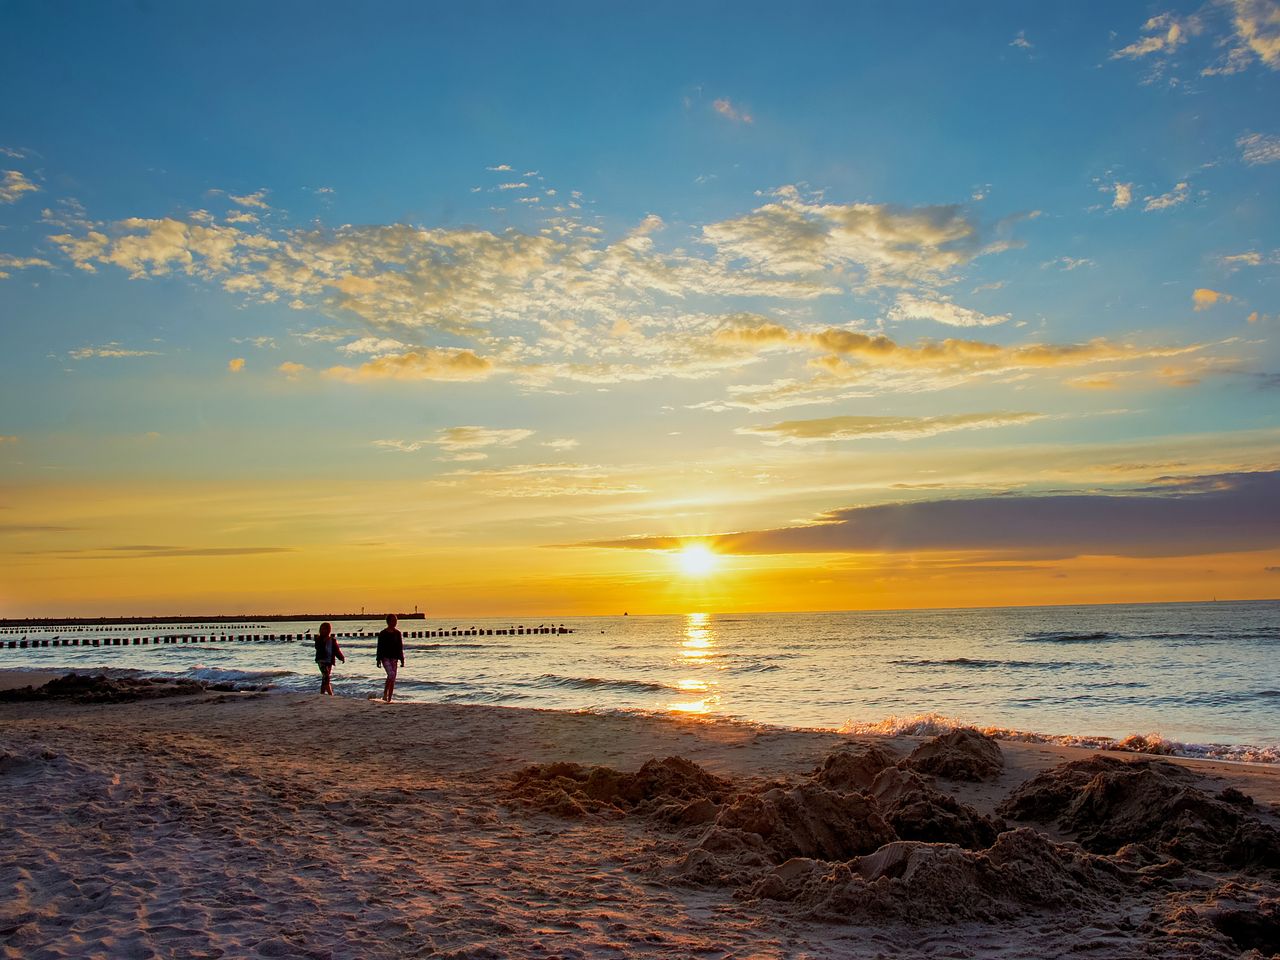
[212, 823]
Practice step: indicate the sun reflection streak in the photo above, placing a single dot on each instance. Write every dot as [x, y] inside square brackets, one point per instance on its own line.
[697, 649]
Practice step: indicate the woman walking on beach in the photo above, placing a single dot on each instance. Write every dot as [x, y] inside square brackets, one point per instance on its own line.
[390, 654]
[327, 651]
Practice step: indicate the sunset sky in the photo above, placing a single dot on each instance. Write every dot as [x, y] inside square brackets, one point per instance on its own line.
[492, 309]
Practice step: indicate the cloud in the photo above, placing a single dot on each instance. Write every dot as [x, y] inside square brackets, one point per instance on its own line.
[149, 551]
[235, 365]
[418, 365]
[565, 304]
[941, 310]
[561, 443]
[857, 364]
[260, 342]
[897, 428]
[1173, 198]
[292, 370]
[1163, 34]
[1250, 258]
[461, 443]
[500, 168]
[1257, 26]
[725, 107]
[456, 439]
[14, 185]
[890, 245]
[1255, 148]
[372, 345]
[110, 351]
[9, 262]
[520, 185]
[7, 439]
[1188, 517]
[257, 199]
[1203, 298]
[1069, 263]
[1021, 41]
[542, 481]
[241, 216]
[1123, 196]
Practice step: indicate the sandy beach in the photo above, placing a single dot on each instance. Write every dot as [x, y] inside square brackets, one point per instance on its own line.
[211, 824]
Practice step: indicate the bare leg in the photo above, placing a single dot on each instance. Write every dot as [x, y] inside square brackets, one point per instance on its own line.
[325, 686]
[391, 686]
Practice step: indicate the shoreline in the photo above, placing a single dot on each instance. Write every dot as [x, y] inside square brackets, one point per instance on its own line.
[916, 725]
[288, 824]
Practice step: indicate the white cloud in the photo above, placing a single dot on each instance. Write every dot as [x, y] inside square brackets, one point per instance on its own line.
[1123, 196]
[461, 443]
[500, 168]
[1069, 263]
[1173, 198]
[14, 185]
[9, 262]
[256, 199]
[942, 310]
[372, 345]
[110, 351]
[1255, 148]
[561, 443]
[519, 185]
[1021, 41]
[1163, 34]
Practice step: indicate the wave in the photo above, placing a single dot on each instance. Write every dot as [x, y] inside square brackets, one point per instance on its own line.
[967, 663]
[597, 683]
[225, 675]
[756, 668]
[459, 646]
[932, 724]
[1067, 636]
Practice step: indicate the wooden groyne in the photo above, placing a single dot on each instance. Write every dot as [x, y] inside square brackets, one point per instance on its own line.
[141, 641]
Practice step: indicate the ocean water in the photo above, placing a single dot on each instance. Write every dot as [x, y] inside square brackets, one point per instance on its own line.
[1204, 676]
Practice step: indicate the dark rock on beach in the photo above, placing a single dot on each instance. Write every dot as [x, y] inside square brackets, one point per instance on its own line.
[87, 688]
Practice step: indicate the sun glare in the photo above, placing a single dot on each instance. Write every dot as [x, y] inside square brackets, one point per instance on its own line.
[697, 560]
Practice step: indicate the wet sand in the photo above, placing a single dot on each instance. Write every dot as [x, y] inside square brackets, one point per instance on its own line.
[287, 825]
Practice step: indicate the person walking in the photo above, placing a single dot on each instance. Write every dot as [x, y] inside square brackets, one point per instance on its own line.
[390, 654]
[327, 651]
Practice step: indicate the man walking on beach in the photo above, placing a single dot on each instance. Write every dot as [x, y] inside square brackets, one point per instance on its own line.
[390, 654]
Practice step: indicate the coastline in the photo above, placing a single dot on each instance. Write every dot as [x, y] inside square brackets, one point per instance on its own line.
[284, 824]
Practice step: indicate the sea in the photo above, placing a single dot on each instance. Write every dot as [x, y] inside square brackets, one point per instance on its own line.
[1198, 679]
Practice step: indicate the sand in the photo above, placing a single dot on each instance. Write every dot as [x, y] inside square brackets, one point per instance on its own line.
[286, 825]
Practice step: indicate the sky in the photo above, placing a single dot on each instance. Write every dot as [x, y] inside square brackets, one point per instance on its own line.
[514, 310]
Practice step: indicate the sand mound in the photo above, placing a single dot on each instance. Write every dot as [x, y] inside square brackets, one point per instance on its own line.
[676, 789]
[916, 882]
[1110, 803]
[808, 820]
[962, 754]
[853, 768]
[916, 811]
[85, 688]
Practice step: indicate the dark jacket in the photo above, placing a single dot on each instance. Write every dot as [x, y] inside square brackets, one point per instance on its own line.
[390, 645]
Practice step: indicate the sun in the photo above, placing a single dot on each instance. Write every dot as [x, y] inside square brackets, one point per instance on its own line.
[697, 560]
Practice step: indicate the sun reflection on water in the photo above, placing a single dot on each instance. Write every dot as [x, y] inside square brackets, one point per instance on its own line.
[697, 651]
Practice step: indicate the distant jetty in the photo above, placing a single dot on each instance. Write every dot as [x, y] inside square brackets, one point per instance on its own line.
[248, 618]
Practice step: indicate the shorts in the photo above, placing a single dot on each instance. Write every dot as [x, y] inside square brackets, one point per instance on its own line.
[391, 666]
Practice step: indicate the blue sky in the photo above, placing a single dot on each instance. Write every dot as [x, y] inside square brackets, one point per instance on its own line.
[623, 253]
